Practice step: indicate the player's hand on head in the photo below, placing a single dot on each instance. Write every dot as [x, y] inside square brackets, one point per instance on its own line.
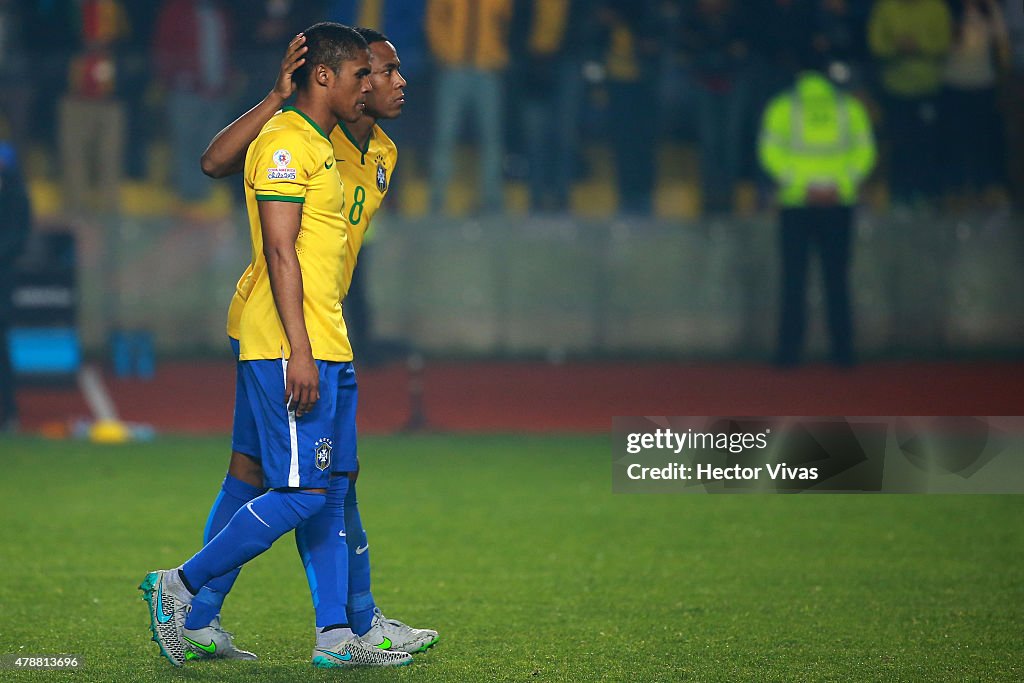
[293, 59]
[302, 384]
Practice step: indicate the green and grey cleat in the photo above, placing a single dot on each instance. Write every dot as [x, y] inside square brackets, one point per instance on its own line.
[393, 635]
[213, 642]
[168, 604]
[356, 652]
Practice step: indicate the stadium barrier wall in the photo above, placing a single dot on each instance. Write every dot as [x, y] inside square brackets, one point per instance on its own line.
[923, 283]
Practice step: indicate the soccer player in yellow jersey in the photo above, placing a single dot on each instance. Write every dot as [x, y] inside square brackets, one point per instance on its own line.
[295, 371]
[365, 159]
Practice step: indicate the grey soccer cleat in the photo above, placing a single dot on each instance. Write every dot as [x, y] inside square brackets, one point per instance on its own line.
[168, 603]
[213, 642]
[356, 652]
[391, 634]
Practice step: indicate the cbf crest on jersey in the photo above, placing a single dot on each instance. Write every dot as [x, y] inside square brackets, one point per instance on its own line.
[323, 453]
[382, 174]
[282, 159]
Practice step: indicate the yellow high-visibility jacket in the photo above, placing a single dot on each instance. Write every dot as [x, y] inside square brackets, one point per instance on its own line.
[816, 135]
[469, 33]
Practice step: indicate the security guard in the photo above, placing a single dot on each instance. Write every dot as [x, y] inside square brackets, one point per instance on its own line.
[817, 145]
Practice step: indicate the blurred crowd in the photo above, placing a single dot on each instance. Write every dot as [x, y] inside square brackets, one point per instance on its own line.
[530, 85]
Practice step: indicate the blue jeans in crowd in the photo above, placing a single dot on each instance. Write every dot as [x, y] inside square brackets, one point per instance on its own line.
[459, 89]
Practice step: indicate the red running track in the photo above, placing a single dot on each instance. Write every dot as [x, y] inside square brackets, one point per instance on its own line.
[578, 397]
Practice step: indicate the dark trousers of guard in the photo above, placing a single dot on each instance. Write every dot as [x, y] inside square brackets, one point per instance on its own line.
[827, 231]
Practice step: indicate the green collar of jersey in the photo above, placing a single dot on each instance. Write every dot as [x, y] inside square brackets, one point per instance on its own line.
[351, 138]
[308, 120]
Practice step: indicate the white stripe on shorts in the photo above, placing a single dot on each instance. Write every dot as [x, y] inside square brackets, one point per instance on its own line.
[293, 436]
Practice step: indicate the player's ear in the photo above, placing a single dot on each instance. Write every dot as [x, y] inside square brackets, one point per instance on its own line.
[321, 74]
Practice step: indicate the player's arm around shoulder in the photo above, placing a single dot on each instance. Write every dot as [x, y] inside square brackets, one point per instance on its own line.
[225, 155]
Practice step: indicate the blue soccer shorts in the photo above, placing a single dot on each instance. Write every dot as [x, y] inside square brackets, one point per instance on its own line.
[295, 452]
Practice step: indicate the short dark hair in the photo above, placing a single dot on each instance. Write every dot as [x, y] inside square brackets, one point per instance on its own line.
[371, 35]
[329, 44]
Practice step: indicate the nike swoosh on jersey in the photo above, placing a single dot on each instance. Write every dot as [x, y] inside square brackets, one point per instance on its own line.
[362, 549]
[209, 649]
[328, 165]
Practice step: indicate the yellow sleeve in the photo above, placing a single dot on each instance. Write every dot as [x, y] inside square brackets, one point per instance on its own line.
[124, 26]
[863, 152]
[548, 28]
[281, 166]
[773, 143]
[880, 37]
[439, 20]
[935, 40]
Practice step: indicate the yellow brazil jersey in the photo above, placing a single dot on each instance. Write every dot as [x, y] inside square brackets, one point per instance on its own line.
[366, 173]
[292, 160]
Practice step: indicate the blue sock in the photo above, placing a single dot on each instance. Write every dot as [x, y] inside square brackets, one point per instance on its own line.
[234, 493]
[360, 600]
[251, 531]
[321, 542]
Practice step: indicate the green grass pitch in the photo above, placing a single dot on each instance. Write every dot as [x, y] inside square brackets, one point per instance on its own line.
[516, 550]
